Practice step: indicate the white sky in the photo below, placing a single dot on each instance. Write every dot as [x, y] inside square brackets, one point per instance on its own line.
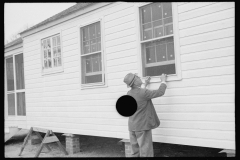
[18, 15]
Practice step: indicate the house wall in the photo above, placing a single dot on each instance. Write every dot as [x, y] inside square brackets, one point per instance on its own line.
[197, 110]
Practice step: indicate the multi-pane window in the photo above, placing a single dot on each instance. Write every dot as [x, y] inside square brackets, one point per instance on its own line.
[157, 39]
[15, 85]
[51, 49]
[91, 54]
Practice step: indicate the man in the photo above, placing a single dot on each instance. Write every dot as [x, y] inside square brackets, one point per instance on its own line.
[141, 123]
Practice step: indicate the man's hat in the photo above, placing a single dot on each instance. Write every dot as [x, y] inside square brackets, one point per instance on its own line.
[129, 79]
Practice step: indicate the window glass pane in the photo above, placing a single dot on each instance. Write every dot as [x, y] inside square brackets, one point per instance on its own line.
[147, 31]
[156, 11]
[45, 64]
[11, 104]
[86, 47]
[170, 51]
[85, 33]
[93, 45]
[161, 52]
[158, 32]
[44, 44]
[94, 78]
[45, 54]
[167, 20]
[49, 63]
[9, 71]
[98, 31]
[158, 70]
[19, 70]
[168, 29]
[54, 52]
[88, 65]
[21, 108]
[54, 41]
[146, 14]
[48, 43]
[98, 44]
[58, 40]
[95, 62]
[59, 61]
[55, 62]
[150, 55]
[167, 10]
[92, 31]
[49, 53]
[59, 49]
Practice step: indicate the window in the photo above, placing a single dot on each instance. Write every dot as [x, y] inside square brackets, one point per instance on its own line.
[51, 53]
[91, 54]
[157, 39]
[15, 85]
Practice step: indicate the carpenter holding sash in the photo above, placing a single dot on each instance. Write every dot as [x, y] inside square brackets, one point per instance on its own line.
[141, 123]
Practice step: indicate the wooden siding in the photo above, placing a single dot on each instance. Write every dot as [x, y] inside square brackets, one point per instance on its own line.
[197, 110]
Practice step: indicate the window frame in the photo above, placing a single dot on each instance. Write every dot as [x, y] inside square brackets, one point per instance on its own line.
[52, 70]
[104, 79]
[15, 91]
[156, 79]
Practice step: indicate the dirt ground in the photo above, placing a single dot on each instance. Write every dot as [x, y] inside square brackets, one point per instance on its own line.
[92, 146]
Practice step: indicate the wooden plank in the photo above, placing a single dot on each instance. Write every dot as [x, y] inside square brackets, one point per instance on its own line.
[40, 137]
[123, 40]
[72, 29]
[205, 72]
[192, 5]
[218, 25]
[120, 74]
[61, 147]
[25, 141]
[203, 46]
[70, 42]
[219, 34]
[196, 133]
[120, 34]
[120, 68]
[116, 55]
[229, 13]
[215, 7]
[70, 47]
[215, 62]
[50, 139]
[122, 47]
[119, 21]
[37, 129]
[182, 3]
[42, 144]
[119, 28]
[69, 36]
[208, 54]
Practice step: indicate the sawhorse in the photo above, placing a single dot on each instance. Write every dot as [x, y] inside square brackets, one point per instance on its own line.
[47, 139]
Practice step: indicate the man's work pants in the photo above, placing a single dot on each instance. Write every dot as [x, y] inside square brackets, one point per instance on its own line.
[141, 143]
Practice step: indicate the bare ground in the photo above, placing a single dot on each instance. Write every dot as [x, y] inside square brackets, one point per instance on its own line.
[92, 146]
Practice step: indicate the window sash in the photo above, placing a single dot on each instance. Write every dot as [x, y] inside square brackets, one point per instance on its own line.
[91, 33]
[55, 50]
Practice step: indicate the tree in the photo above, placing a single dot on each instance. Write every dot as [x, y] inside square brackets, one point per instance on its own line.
[16, 35]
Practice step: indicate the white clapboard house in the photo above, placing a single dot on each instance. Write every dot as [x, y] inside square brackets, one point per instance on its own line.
[66, 73]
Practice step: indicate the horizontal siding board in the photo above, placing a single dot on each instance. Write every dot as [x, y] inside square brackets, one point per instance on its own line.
[217, 126]
[182, 3]
[69, 42]
[119, 21]
[74, 52]
[229, 13]
[120, 74]
[70, 47]
[196, 133]
[122, 47]
[121, 61]
[208, 63]
[69, 36]
[218, 25]
[124, 67]
[219, 34]
[218, 98]
[203, 46]
[120, 34]
[119, 41]
[192, 6]
[205, 72]
[214, 117]
[119, 14]
[72, 29]
[208, 54]
[119, 28]
[201, 90]
[117, 55]
[209, 9]
[196, 108]
[32, 48]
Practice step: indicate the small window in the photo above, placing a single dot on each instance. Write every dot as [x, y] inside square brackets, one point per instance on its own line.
[157, 39]
[91, 54]
[51, 53]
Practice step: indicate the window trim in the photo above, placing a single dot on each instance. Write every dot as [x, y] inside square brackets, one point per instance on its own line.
[53, 70]
[97, 84]
[16, 116]
[156, 79]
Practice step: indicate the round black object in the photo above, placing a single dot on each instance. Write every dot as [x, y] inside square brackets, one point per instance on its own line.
[126, 105]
